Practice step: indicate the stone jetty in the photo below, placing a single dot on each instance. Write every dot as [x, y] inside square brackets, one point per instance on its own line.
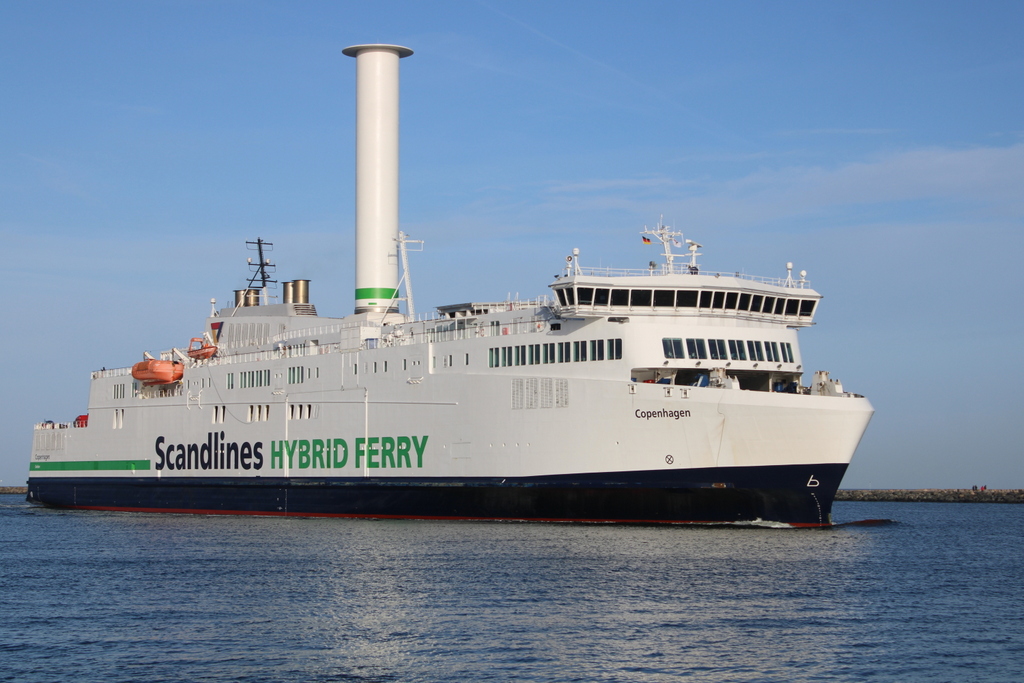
[14, 489]
[932, 495]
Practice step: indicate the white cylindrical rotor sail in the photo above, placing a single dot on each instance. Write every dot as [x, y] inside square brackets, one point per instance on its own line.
[376, 175]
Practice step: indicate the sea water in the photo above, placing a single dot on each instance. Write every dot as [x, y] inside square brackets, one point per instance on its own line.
[938, 595]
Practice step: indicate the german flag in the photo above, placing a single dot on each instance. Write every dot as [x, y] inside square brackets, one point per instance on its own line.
[646, 240]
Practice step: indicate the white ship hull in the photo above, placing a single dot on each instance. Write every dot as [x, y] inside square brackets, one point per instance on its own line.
[446, 427]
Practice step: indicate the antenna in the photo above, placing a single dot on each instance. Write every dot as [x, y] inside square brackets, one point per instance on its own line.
[667, 237]
[403, 240]
[262, 269]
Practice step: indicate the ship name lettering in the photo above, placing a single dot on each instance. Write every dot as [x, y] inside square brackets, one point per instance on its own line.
[216, 453]
[651, 414]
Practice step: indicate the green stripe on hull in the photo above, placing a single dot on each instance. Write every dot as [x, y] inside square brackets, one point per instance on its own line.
[90, 465]
[385, 293]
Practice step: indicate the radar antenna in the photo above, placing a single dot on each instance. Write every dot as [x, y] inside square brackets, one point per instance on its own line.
[262, 269]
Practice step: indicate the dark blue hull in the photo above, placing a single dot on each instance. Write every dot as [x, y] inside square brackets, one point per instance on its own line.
[800, 495]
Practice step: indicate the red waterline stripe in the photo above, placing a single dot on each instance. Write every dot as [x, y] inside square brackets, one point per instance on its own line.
[191, 511]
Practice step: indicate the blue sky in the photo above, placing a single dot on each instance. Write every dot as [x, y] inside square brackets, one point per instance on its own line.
[879, 146]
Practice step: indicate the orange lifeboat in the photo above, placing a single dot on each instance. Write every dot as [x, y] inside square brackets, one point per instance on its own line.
[158, 371]
[198, 349]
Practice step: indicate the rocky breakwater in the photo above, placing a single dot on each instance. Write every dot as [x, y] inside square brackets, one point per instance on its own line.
[14, 489]
[932, 495]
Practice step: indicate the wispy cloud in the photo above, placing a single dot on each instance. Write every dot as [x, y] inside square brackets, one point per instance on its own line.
[56, 176]
[985, 180]
[837, 131]
[625, 184]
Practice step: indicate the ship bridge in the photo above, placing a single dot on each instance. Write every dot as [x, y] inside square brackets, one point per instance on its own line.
[733, 295]
[682, 289]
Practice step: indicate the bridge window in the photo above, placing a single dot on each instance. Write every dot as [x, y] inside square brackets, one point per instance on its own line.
[686, 298]
[719, 300]
[705, 299]
[664, 297]
[585, 296]
[755, 303]
[807, 307]
[640, 297]
[620, 297]
[730, 300]
[601, 297]
[792, 306]
[744, 303]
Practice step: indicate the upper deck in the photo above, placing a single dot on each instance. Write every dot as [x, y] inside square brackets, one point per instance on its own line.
[703, 294]
[683, 289]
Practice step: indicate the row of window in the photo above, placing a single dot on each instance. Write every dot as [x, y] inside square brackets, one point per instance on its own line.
[302, 411]
[738, 349]
[685, 298]
[382, 366]
[297, 374]
[260, 413]
[248, 379]
[559, 352]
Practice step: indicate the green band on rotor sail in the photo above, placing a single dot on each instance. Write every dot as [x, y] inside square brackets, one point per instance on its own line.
[386, 293]
[90, 465]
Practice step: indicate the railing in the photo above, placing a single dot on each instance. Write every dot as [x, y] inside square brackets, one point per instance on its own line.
[54, 425]
[431, 330]
[112, 372]
[683, 269]
[307, 332]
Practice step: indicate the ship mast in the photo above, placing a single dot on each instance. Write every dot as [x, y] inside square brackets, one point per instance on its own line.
[404, 240]
[262, 269]
[668, 237]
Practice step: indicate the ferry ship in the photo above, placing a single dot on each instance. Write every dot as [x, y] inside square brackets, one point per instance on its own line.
[667, 394]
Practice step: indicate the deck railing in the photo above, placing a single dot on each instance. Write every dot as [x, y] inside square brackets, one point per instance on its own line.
[684, 269]
[431, 329]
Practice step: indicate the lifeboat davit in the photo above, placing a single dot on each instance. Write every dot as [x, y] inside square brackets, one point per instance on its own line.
[158, 371]
[198, 349]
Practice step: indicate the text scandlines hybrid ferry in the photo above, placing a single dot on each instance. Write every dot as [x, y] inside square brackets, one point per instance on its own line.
[667, 394]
